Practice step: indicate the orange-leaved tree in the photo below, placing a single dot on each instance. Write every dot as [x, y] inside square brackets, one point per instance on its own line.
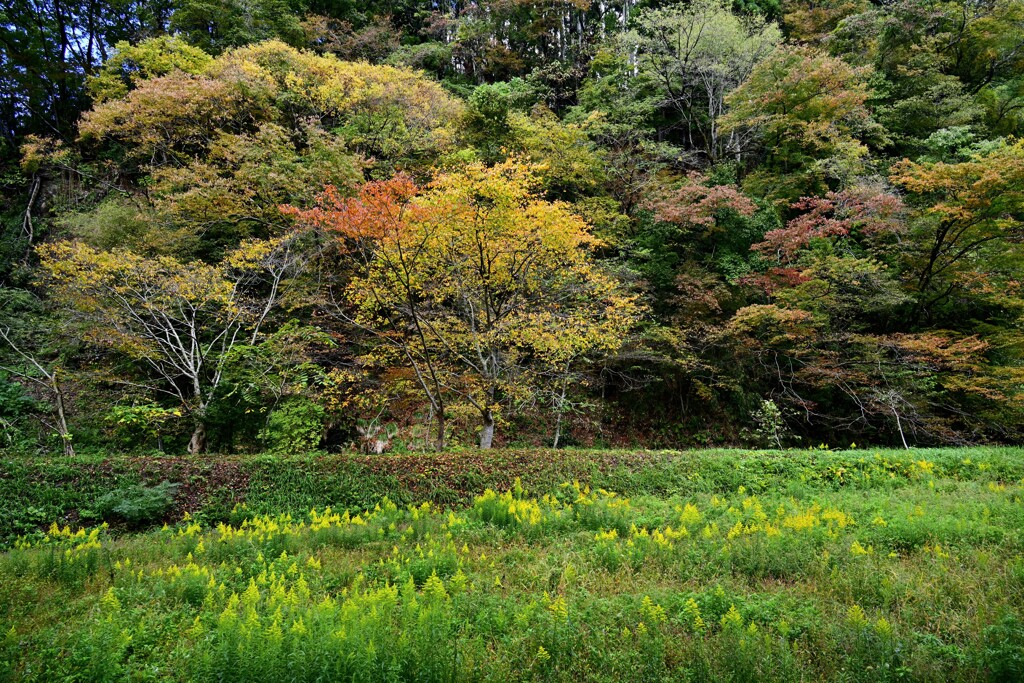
[484, 290]
[967, 228]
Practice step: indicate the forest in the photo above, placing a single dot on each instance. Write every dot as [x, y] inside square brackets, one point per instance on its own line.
[658, 341]
[241, 226]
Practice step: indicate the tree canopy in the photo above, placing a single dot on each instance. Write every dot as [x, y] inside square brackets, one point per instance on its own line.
[271, 224]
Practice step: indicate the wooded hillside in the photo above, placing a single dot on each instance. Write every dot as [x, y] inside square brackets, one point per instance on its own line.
[286, 225]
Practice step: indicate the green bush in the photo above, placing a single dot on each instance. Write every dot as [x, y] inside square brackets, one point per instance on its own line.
[1003, 653]
[138, 506]
[295, 426]
[15, 408]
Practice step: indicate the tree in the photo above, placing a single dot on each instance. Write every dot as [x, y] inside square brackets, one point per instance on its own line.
[812, 21]
[697, 54]
[569, 165]
[48, 48]
[31, 369]
[937, 387]
[696, 205]
[827, 346]
[619, 110]
[808, 111]
[476, 284]
[204, 150]
[863, 210]
[939, 65]
[179, 320]
[130, 65]
[216, 25]
[967, 227]
[854, 220]
[277, 381]
[381, 111]
[693, 220]
[372, 43]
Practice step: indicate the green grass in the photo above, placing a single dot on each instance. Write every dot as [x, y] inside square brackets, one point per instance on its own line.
[739, 566]
[34, 492]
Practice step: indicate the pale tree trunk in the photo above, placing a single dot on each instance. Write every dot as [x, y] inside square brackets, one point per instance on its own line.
[899, 426]
[560, 410]
[487, 430]
[197, 444]
[50, 382]
[28, 229]
[891, 399]
[62, 420]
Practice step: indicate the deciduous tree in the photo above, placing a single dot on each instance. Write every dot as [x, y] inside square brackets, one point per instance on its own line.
[808, 110]
[967, 227]
[477, 284]
[180, 321]
[696, 54]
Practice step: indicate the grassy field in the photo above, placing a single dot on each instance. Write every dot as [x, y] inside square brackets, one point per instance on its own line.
[848, 566]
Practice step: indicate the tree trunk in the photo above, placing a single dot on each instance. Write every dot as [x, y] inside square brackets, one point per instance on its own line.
[440, 429]
[560, 409]
[62, 420]
[487, 430]
[28, 229]
[899, 426]
[197, 444]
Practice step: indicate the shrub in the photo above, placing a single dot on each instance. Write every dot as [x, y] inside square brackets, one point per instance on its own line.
[138, 506]
[1003, 652]
[295, 426]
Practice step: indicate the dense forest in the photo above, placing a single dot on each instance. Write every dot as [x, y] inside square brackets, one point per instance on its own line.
[246, 225]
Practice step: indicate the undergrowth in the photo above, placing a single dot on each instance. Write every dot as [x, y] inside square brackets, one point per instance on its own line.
[875, 571]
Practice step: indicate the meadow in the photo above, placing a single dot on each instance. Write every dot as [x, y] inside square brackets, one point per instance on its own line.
[725, 566]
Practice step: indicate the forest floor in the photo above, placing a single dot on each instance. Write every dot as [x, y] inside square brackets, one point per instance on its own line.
[516, 565]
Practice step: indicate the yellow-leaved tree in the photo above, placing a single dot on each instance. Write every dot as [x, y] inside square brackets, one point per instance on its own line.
[180, 320]
[486, 291]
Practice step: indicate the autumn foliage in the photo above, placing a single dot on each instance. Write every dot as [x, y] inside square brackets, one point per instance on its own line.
[289, 226]
[483, 289]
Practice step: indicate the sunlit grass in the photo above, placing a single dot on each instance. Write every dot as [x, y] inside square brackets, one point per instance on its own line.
[904, 573]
